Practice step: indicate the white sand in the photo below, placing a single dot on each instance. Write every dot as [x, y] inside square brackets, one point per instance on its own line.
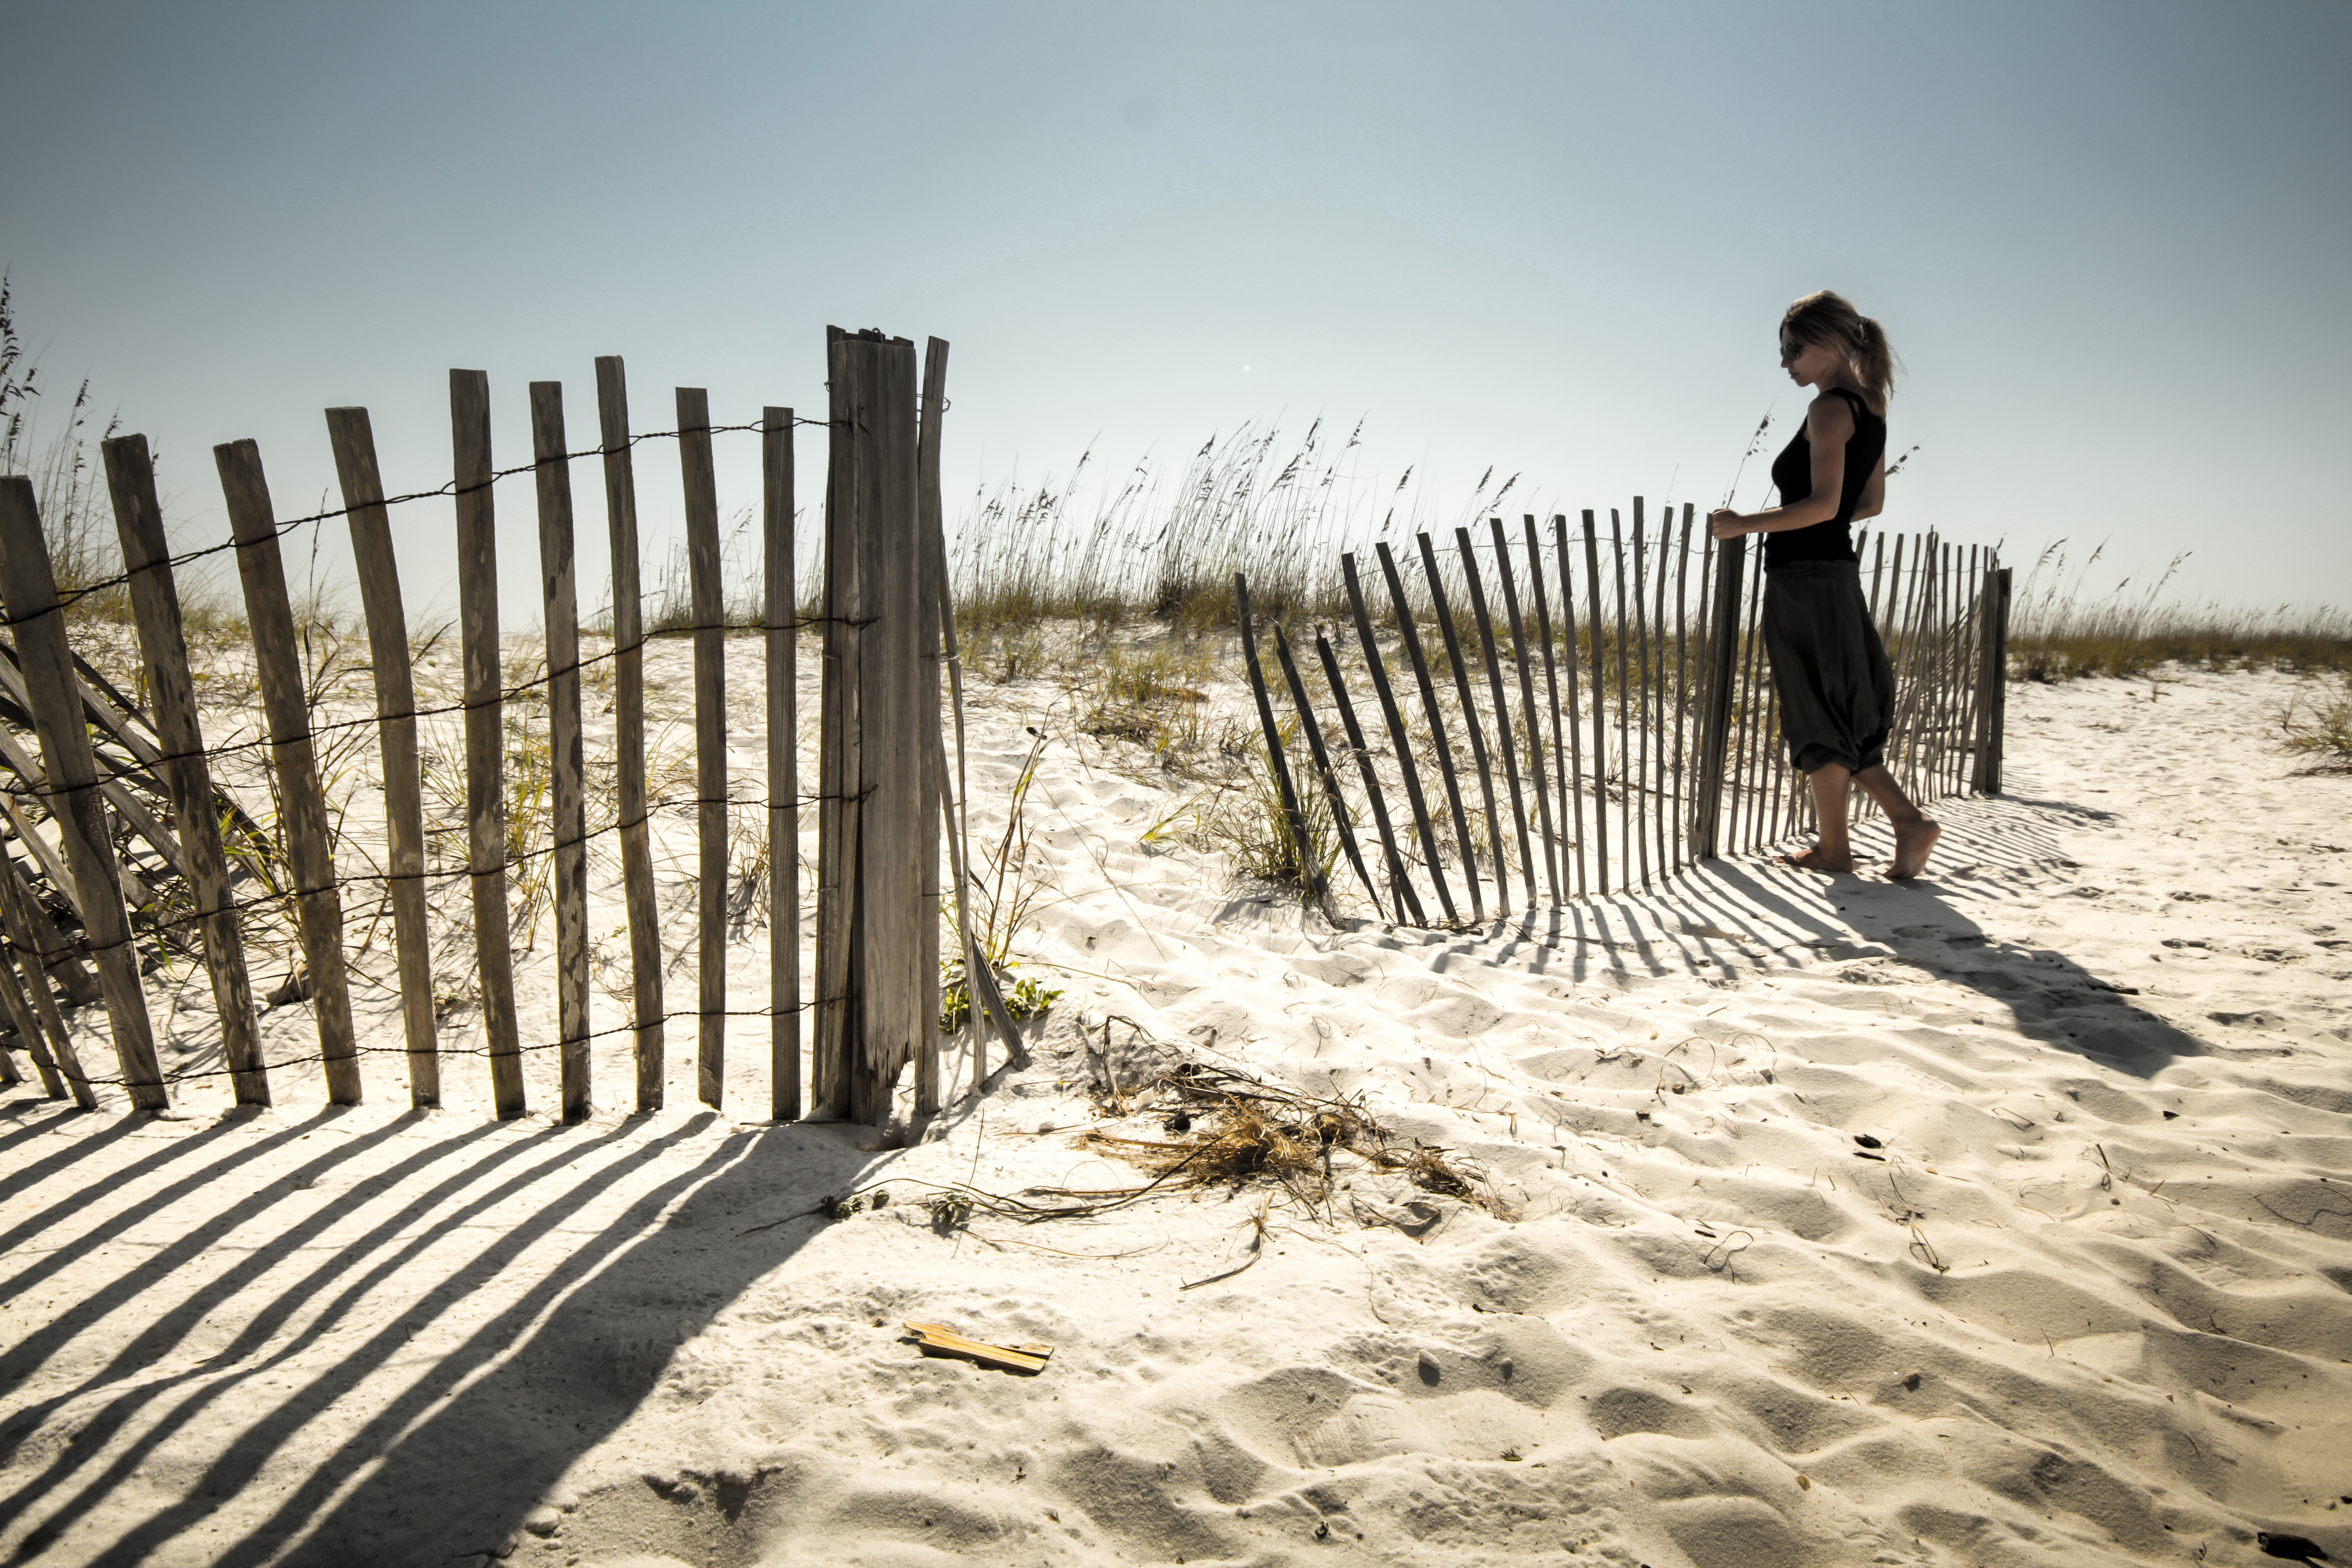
[2087, 1306]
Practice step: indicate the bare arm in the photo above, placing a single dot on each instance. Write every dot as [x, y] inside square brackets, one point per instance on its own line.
[1829, 425]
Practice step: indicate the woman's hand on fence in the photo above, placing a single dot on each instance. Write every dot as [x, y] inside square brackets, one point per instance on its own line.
[1725, 523]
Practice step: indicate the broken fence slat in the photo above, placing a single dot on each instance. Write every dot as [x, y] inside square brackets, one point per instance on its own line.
[937, 1339]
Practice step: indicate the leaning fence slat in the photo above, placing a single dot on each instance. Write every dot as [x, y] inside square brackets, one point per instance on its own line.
[1572, 778]
[1642, 817]
[1755, 715]
[1505, 753]
[395, 708]
[1326, 778]
[30, 594]
[781, 612]
[1528, 712]
[568, 824]
[1439, 741]
[983, 997]
[709, 740]
[1402, 896]
[16, 912]
[1600, 702]
[1554, 824]
[1629, 811]
[302, 813]
[629, 731]
[930, 521]
[1709, 840]
[127, 806]
[1682, 685]
[163, 641]
[1444, 615]
[1400, 740]
[485, 801]
[28, 1033]
[45, 948]
[1309, 868]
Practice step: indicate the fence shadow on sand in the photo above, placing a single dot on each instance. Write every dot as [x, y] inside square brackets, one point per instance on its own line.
[449, 1317]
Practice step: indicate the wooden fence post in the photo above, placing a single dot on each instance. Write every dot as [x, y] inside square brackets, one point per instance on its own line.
[782, 615]
[486, 798]
[30, 594]
[395, 708]
[565, 748]
[629, 729]
[710, 739]
[1714, 718]
[156, 601]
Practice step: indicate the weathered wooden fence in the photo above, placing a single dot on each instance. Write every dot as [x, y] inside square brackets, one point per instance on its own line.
[1653, 740]
[93, 846]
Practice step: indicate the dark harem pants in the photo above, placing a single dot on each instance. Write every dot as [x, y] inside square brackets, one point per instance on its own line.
[1835, 685]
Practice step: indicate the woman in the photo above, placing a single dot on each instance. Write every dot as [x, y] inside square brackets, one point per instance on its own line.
[1836, 687]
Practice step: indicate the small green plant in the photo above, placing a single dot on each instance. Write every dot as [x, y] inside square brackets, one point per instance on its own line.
[1025, 1000]
[949, 1211]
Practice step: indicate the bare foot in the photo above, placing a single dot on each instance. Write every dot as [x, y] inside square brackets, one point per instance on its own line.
[1815, 859]
[1913, 841]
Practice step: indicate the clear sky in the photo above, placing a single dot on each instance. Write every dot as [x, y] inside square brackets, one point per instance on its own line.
[2110, 240]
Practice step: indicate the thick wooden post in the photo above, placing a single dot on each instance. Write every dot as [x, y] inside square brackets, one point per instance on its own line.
[486, 795]
[395, 708]
[1714, 718]
[569, 828]
[781, 614]
[629, 730]
[1993, 678]
[837, 763]
[895, 939]
[30, 594]
[172, 694]
[710, 739]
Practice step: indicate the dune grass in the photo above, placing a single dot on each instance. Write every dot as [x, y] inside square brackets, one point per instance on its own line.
[2060, 631]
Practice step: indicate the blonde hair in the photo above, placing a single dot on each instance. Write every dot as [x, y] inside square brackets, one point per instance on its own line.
[1830, 320]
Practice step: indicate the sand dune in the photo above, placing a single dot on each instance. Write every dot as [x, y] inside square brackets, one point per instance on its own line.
[1998, 1218]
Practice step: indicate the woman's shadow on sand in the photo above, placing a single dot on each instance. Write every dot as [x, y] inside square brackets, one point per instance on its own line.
[1724, 915]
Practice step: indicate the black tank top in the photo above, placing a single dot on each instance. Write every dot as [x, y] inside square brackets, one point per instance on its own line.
[1793, 472]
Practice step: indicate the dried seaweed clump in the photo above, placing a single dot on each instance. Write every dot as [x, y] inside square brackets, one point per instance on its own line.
[1233, 1130]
